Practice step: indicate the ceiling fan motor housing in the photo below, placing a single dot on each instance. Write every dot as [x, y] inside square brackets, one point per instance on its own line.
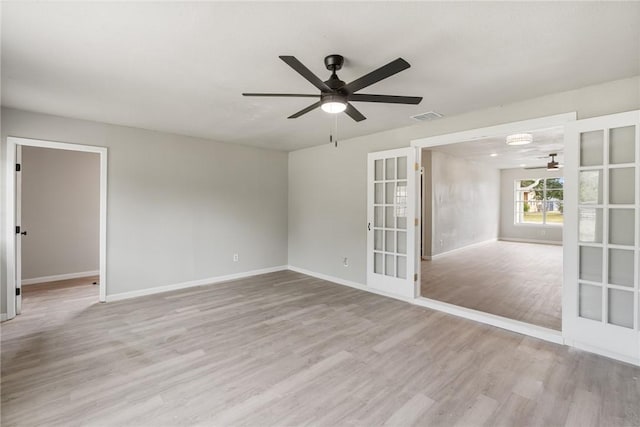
[334, 62]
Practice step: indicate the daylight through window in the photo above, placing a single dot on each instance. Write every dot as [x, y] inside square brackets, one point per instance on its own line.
[539, 201]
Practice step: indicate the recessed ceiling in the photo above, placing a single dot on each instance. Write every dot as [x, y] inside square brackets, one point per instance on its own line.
[181, 67]
[494, 151]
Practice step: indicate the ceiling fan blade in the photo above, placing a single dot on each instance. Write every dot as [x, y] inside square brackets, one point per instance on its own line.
[388, 99]
[287, 95]
[375, 76]
[536, 167]
[354, 114]
[306, 73]
[305, 110]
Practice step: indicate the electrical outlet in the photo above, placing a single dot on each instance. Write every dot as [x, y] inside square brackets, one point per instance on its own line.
[235, 258]
[345, 262]
[441, 243]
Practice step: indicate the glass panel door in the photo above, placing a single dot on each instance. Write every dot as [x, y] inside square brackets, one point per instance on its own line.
[391, 223]
[603, 246]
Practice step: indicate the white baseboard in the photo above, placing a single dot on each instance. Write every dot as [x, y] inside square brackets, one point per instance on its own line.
[452, 251]
[479, 316]
[57, 277]
[541, 242]
[3, 317]
[347, 283]
[192, 283]
[601, 352]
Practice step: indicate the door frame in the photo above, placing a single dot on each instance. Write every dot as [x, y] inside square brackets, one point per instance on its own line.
[10, 192]
[481, 133]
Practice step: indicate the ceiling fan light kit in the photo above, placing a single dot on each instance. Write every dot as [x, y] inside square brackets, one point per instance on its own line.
[519, 139]
[334, 104]
[336, 95]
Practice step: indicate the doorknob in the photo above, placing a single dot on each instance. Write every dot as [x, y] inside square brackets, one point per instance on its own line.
[24, 233]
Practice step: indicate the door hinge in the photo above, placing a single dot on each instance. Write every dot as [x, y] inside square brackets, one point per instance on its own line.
[417, 221]
[415, 277]
[17, 229]
[18, 167]
[17, 292]
[416, 166]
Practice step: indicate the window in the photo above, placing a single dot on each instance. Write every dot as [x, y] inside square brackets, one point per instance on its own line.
[539, 201]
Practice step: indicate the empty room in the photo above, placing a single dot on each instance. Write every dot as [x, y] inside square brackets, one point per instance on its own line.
[320, 213]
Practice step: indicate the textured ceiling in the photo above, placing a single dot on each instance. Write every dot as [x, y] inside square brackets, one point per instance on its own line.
[181, 67]
[545, 142]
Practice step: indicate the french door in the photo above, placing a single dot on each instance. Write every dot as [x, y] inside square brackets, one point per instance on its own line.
[392, 222]
[602, 235]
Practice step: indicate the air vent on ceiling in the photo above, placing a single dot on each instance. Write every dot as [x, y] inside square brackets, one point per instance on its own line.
[429, 115]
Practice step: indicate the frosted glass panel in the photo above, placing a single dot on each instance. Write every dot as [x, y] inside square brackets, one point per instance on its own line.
[401, 222]
[389, 217]
[621, 267]
[622, 145]
[390, 168]
[591, 264]
[378, 197]
[389, 264]
[402, 242]
[390, 188]
[390, 240]
[590, 302]
[379, 170]
[621, 308]
[402, 267]
[377, 240]
[590, 225]
[377, 263]
[591, 146]
[590, 187]
[621, 226]
[402, 168]
[378, 216]
[621, 186]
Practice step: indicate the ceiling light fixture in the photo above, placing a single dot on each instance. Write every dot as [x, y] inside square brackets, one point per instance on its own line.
[519, 139]
[333, 104]
[493, 155]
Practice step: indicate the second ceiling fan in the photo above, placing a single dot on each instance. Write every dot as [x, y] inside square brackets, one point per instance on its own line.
[335, 95]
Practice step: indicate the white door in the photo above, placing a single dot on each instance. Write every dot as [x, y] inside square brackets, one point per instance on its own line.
[602, 235]
[392, 223]
[19, 230]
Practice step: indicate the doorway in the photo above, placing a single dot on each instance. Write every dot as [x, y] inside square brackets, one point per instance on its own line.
[492, 225]
[65, 246]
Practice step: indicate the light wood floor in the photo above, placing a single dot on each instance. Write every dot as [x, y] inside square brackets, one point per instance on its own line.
[521, 281]
[287, 349]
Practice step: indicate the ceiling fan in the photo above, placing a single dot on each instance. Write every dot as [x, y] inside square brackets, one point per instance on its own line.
[335, 95]
[552, 165]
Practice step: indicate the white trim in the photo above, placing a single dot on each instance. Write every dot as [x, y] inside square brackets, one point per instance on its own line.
[523, 328]
[478, 316]
[349, 283]
[58, 277]
[602, 352]
[10, 222]
[453, 251]
[192, 283]
[536, 241]
[3, 317]
[501, 129]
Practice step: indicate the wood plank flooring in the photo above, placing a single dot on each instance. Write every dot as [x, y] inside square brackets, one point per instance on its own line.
[286, 349]
[521, 281]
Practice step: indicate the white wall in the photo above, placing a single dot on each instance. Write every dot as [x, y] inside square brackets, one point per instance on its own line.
[60, 212]
[178, 207]
[327, 186]
[524, 232]
[465, 202]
